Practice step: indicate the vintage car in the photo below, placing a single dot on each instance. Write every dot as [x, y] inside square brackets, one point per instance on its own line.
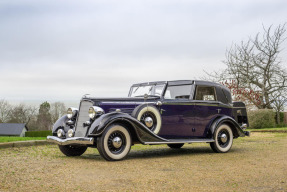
[163, 112]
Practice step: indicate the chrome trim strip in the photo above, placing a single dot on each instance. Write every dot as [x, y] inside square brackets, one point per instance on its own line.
[182, 141]
[198, 104]
[69, 141]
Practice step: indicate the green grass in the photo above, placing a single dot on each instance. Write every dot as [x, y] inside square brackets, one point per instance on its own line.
[269, 129]
[12, 139]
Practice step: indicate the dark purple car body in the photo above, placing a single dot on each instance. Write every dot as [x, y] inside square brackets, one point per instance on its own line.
[164, 112]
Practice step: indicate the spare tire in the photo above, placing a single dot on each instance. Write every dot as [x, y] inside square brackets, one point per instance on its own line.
[149, 116]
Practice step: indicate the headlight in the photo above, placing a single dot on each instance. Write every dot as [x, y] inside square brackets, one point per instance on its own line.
[71, 112]
[60, 133]
[95, 111]
[71, 133]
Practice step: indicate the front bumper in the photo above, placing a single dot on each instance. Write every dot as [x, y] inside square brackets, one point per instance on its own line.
[71, 141]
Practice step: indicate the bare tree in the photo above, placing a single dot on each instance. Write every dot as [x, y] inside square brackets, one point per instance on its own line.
[57, 110]
[255, 65]
[5, 108]
[21, 113]
[280, 100]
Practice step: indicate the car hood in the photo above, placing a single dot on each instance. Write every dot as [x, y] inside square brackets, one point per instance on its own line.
[125, 104]
[122, 99]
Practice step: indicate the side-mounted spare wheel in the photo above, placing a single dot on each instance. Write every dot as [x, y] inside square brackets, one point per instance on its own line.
[223, 137]
[72, 150]
[115, 142]
[149, 116]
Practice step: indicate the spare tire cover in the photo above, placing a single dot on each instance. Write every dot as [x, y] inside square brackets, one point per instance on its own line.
[142, 112]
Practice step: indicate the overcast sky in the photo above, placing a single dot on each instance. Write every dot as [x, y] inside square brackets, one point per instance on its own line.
[61, 50]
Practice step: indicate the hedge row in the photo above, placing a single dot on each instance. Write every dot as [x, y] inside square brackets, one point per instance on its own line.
[38, 133]
[262, 118]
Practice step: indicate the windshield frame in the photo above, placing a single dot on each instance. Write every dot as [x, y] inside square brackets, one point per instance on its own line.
[152, 91]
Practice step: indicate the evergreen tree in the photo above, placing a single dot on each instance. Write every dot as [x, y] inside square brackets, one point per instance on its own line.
[44, 119]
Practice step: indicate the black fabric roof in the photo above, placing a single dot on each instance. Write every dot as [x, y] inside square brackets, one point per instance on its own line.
[182, 82]
[11, 128]
[176, 82]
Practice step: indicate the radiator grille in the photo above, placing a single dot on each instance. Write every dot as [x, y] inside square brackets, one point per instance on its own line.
[83, 116]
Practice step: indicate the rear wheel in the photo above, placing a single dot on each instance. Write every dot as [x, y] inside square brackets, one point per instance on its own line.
[223, 139]
[72, 150]
[175, 146]
[115, 143]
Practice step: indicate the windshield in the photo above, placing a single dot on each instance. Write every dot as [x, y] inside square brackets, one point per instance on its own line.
[140, 91]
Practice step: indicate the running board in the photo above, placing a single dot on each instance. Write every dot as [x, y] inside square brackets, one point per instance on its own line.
[178, 141]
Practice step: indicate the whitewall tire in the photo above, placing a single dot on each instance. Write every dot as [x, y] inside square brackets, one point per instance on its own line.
[115, 143]
[223, 137]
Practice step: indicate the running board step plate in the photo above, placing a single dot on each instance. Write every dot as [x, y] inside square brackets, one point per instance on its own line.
[178, 141]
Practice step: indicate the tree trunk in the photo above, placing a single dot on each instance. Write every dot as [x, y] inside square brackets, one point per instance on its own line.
[278, 117]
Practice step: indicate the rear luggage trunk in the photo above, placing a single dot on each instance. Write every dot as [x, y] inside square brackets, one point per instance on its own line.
[239, 113]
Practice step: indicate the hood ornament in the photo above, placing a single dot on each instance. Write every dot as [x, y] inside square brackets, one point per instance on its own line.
[85, 96]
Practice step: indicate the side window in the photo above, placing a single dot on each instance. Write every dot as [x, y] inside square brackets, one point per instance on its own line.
[205, 93]
[178, 92]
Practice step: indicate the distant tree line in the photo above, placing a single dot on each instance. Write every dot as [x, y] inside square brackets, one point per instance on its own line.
[36, 119]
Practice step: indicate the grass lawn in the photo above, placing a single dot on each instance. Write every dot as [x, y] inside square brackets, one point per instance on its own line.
[11, 139]
[256, 163]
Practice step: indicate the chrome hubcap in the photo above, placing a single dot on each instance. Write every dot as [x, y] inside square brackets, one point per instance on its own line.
[148, 122]
[223, 138]
[117, 142]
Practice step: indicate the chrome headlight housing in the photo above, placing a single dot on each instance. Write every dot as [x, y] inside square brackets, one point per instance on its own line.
[95, 111]
[71, 112]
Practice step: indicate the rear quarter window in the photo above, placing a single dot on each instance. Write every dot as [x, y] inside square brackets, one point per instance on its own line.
[205, 93]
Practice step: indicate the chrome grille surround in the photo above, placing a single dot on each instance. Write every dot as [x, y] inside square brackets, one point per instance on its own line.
[83, 116]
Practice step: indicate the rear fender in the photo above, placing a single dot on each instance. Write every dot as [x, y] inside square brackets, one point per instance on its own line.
[237, 131]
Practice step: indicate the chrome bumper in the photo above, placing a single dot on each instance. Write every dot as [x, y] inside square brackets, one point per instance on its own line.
[71, 141]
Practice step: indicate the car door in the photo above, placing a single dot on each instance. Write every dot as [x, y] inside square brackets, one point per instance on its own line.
[206, 109]
[177, 112]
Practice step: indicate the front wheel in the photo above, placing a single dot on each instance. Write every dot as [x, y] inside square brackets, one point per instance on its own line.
[115, 143]
[223, 139]
[72, 150]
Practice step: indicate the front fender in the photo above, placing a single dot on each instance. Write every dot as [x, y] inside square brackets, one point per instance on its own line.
[142, 132]
[61, 122]
[236, 129]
